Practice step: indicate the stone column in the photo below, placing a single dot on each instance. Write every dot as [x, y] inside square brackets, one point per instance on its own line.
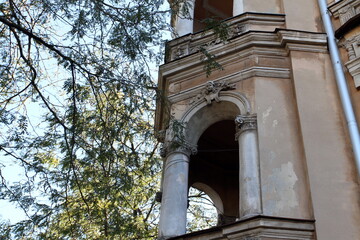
[238, 7]
[249, 175]
[185, 23]
[175, 190]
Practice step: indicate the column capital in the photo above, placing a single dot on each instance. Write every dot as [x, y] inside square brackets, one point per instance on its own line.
[244, 123]
[176, 141]
[176, 146]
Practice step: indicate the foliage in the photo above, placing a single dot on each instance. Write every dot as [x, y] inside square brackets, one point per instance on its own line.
[221, 31]
[209, 61]
[76, 110]
[202, 212]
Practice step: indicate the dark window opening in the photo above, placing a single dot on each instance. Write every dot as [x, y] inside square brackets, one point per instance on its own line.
[217, 165]
[216, 9]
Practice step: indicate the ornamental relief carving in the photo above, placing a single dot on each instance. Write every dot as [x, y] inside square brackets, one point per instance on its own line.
[211, 91]
[245, 123]
[175, 140]
[187, 49]
[237, 29]
[347, 13]
[352, 46]
[179, 52]
[193, 47]
[345, 10]
[177, 146]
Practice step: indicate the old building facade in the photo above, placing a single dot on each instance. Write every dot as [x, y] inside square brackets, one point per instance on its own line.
[265, 137]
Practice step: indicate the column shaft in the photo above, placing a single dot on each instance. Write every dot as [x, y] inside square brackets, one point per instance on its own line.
[185, 23]
[238, 7]
[175, 196]
[249, 175]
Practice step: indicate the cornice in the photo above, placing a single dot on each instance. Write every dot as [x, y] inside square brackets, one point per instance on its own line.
[287, 36]
[344, 10]
[241, 43]
[354, 69]
[237, 25]
[276, 43]
[351, 24]
[348, 13]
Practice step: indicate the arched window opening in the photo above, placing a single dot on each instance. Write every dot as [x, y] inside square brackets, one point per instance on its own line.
[206, 9]
[217, 165]
[202, 212]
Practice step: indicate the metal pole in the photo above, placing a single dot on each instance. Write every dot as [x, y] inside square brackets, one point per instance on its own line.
[342, 85]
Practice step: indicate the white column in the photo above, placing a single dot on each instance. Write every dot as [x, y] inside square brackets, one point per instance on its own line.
[238, 7]
[175, 192]
[249, 175]
[184, 22]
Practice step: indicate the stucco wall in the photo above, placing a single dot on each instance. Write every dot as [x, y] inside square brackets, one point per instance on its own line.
[306, 162]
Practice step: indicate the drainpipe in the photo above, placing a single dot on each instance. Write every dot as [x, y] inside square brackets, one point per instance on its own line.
[341, 83]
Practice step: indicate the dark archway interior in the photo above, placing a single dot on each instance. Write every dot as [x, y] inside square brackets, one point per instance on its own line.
[217, 165]
[216, 9]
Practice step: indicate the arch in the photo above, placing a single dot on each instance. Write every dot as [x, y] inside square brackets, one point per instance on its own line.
[201, 115]
[213, 195]
[216, 164]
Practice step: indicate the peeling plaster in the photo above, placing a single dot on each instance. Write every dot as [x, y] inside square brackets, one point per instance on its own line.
[280, 194]
[177, 110]
[275, 123]
[266, 114]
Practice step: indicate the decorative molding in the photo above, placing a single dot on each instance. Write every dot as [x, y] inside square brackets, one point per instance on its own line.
[237, 98]
[179, 52]
[248, 45]
[237, 29]
[346, 13]
[175, 140]
[303, 41]
[345, 10]
[193, 43]
[177, 146]
[354, 69]
[245, 123]
[352, 45]
[211, 91]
